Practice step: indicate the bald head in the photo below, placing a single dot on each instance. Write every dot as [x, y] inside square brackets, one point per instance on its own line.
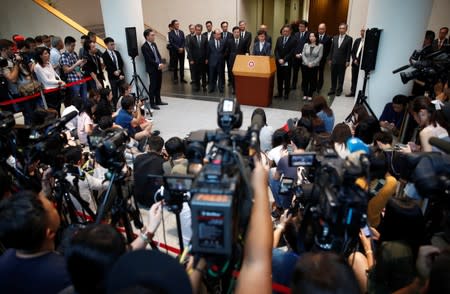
[322, 28]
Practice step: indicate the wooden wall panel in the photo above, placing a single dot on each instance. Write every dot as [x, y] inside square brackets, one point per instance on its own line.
[331, 12]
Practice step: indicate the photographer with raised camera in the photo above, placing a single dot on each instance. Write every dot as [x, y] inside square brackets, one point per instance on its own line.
[18, 77]
[299, 140]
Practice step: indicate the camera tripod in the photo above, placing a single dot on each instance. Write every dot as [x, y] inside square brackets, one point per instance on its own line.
[140, 87]
[122, 212]
[63, 193]
[362, 98]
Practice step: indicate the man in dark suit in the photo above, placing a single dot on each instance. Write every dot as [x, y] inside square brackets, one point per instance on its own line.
[215, 58]
[325, 40]
[187, 45]
[268, 39]
[197, 57]
[301, 38]
[442, 39]
[114, 67]
[209, 31]
[284, 51]
[235, 46]
[225, 36]
[262, 47]
[177, 41]
[246, 36]
[339, 59]
[357, 51]
[154, 67]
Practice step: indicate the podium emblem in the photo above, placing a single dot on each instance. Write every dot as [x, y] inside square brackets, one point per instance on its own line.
[251, 64]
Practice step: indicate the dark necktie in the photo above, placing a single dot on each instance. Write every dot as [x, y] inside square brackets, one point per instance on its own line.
[198, 40]
[114, 59]
[284, 41]
[237, 42]
[155, 53]
[217, 44]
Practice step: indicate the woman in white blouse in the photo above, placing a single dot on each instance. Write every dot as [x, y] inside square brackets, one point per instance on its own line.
[47, 76]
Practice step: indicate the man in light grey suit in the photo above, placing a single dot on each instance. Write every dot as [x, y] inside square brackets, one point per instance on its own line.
[262, 47]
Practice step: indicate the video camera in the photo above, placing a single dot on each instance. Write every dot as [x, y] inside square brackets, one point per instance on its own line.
[221, 194]
[334, 206]
[429, 67]
[110, 148]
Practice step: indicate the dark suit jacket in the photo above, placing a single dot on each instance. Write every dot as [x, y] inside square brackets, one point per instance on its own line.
[266, 50]
[248, 41]
[150, 60]
[341, 55]
[233, 50]
[215, 56]
[285, 52]
[435, 43]
[326, 43]
[177, 42]
[111, 66]
[355, 50]
[229, 36]
[301, 41]
[268, 40]
[197, 53]
[206, 35]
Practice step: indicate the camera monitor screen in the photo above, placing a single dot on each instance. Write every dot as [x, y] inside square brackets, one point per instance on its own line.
[302, 159]
[178, 183]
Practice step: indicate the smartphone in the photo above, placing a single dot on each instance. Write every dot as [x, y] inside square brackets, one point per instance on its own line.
[366, 231]
[399, 146]
[289, 148]
[286, 185]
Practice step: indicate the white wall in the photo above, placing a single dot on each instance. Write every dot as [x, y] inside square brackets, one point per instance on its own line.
[357, 16]
[439, 15]
[85, 12]
[31, 20]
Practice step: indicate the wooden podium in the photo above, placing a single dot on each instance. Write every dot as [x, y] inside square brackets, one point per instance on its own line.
[254, 78]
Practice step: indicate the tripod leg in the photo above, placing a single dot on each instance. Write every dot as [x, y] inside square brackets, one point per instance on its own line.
[180, 235]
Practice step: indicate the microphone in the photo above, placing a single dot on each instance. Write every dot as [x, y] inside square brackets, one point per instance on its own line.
[401, 69]
[441, 144]
[255, 126]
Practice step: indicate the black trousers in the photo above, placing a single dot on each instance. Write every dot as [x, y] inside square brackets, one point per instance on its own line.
[115, 90]
[216, 74]
[337, 77]
[199, 70]
[310, 80]
[355, 72]
[229, 69]
[322, 64]
[296, 64]
[179, 61]
[173, 58]
[284, 79]
[155, 87]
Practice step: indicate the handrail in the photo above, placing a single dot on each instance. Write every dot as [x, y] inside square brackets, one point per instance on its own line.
[67, 20]
[156, 31]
